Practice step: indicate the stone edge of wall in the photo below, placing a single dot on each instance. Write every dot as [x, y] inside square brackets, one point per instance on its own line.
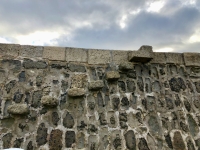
[94, 56]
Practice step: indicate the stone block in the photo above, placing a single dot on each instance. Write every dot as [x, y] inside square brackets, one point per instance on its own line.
[54, 53]
[112, 75]
[144, 54]
[9, 50]
[99, 57]
[158, 58]
[31, 51]
[192, 59]
[119, 56]
[49, 101]
[126, 66]
[95, 85]
[174, 58]
[76, 92]
[18, 109]
[76, 54]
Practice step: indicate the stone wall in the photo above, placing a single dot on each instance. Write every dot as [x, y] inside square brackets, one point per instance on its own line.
[71, 98]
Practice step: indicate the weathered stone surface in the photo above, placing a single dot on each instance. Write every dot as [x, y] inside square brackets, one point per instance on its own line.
[119, 56]
[96, 85]
[191, 59]
[30, 146]
[174, 58]
[31, 51]
[22, 76]
[154, 125]
[76, 54]
[55, 141]
[177, 84]
[142, 145]
[178, 143]
[130, 140]
[112, 75]
[17, 97]
[193, 127]
[7, 140]
[117, 142]
[41, 137]
[36, 98]
[30, 64]
[168, 141]
[144, 54]
[68, 121]
[10, 85]
[49, 101]
[18, 142]
[126, 66]
[9, 50]
[98, 57]
[54, 53]
[158, 58]
[55, 118]
[18, 109]
[39, 80]
[69, 138]
[76, 92]
[79, 81]
[197, 84]
[76, 67]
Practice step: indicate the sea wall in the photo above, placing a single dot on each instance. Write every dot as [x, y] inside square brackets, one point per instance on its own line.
[56, 98]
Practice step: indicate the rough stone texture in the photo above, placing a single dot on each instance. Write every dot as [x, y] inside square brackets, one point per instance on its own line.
[95, 85]
[76, 67]
[18, 109]
[144, 54]
[119, 56]
[112, 75]
[130, 140]
[55, 141]
[41, 137]
[191, 59]
[30, 64]
[98, 57]
[126, 66]
[174, 58]
[144, 106]
[54, 53]
[76, 54]
[31, 51]
[49, 101]
[9, 50]
[178, 143]
[69, 138]
[76, 92]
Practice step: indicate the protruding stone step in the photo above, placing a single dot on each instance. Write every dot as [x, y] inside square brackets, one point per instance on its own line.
[96, 85]
[76, 92]
[112, 75]
[143, 55]
[18, 109]
[49, 101]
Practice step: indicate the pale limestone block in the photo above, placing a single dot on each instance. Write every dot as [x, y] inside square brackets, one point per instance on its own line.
[54, 53]
[99, 57]
[76, 54]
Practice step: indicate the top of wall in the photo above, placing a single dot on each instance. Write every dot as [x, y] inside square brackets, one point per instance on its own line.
[145, 54]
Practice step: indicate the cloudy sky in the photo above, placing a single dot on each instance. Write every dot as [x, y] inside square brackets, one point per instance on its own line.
[167, 25]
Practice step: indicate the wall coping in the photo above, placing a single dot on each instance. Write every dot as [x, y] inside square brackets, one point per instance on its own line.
[145, 54]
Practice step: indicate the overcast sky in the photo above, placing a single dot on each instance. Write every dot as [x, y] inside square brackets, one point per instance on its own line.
[167, 25]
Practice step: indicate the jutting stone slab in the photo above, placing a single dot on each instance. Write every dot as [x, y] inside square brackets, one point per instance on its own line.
[49, 101]
[18, 109]
[95, 85]
[76, 92]
[112, 75]
[144, 54]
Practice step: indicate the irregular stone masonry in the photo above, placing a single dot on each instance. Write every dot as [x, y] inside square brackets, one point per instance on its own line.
[71, 98]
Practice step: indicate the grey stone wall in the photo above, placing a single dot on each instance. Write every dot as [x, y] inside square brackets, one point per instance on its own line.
[70, 98]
